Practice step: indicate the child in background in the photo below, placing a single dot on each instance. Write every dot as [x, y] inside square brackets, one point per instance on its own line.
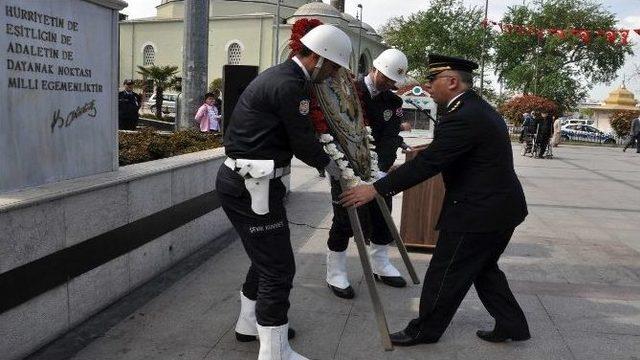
[208, 116]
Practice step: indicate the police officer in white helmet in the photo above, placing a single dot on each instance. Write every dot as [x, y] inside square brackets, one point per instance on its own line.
[383, 109]
[269, 125]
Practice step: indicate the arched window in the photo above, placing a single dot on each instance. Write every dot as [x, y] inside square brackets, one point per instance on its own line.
[234, 54]
[148, 55]
[363, 65]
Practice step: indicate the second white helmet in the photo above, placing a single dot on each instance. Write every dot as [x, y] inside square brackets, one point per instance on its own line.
[329, 42]
[393, 64]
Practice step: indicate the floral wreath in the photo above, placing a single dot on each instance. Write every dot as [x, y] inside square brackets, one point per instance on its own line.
[298, 30]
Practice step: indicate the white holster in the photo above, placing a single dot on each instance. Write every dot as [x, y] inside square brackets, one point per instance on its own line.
[257, 182]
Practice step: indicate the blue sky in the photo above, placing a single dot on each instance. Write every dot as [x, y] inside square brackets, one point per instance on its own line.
[377, 12]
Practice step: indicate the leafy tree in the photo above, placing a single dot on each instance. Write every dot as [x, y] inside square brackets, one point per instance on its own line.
[562, 69]
[163, 77]
[513, 109]
[216, 84]
[621, 121]
[447, 27]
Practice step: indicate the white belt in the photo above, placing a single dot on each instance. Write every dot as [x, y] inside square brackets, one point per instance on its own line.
[278, 172]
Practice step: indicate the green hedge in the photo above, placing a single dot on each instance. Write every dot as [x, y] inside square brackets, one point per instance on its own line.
[147, 144]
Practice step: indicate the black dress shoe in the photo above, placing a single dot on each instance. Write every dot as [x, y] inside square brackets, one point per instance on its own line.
[395, 281]
[250, 338]
[347, 293]
[401, 338]
[496, 336]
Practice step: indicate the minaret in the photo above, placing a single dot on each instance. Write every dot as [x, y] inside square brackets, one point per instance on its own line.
[338, 4]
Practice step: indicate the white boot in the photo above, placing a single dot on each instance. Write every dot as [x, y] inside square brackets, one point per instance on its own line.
[380, 261]
[382, 268]
[246, 329]
[337, 269]
[274, 344]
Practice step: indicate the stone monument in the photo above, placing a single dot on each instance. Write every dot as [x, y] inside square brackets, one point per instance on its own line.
[58, 75]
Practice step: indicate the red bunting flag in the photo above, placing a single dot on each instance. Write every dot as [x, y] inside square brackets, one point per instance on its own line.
[611, 37]
[584, 36]
[624, 34]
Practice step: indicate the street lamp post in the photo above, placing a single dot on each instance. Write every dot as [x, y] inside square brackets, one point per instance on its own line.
[359, 41]
[194, 59]
[276, 46]
[484, 42]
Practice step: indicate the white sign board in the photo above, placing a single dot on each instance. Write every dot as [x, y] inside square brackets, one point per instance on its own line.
[58, 62]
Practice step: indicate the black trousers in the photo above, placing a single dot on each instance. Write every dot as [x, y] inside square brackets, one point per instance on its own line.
[128, 123]
[544, 142]
[371, 220]
[266, 239]
[632, 139]
[460, 260]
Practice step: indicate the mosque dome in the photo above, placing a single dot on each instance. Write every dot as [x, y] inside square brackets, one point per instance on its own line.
[324, 12]
[369, 28]
[350, 19]
[317, 9]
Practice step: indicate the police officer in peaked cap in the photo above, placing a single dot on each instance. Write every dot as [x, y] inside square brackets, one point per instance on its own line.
[269, 125]
[483, 204]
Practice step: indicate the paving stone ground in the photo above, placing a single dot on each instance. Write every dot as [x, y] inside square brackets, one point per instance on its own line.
[574, 266]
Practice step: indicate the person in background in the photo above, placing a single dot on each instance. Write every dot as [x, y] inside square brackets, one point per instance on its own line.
[208, 117]
[544, 126]
[634, 135]
[218, 101]
[129, 104]
[527, 121]
[557, 124]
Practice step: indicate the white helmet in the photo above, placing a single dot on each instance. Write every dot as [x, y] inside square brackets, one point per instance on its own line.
[329, 42]
[393, 64]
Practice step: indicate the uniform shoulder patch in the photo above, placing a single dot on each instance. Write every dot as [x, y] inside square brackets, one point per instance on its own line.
[387, 114]
[304, 107]
[399, 112]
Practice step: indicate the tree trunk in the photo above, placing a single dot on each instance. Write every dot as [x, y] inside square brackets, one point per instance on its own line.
[159, 101]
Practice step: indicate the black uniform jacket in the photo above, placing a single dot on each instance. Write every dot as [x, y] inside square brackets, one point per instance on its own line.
[384, 132]
[472, 150]
[128, 105]
[271, 122]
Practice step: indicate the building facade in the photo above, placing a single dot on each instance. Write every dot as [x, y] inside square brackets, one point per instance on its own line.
[241, 32]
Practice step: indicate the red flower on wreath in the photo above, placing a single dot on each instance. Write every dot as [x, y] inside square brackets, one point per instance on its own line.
[299, 29]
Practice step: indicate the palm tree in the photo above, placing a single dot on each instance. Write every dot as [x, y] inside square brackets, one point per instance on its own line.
[163, 77]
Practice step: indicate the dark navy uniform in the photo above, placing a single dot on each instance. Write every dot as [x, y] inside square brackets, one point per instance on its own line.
[483, 204]
[129, 104]
[384, 112]
[269, 122]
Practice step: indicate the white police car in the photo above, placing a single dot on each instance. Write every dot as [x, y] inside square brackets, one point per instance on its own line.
[587, 133]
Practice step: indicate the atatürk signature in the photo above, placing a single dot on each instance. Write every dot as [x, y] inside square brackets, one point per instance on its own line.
[88, 108]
